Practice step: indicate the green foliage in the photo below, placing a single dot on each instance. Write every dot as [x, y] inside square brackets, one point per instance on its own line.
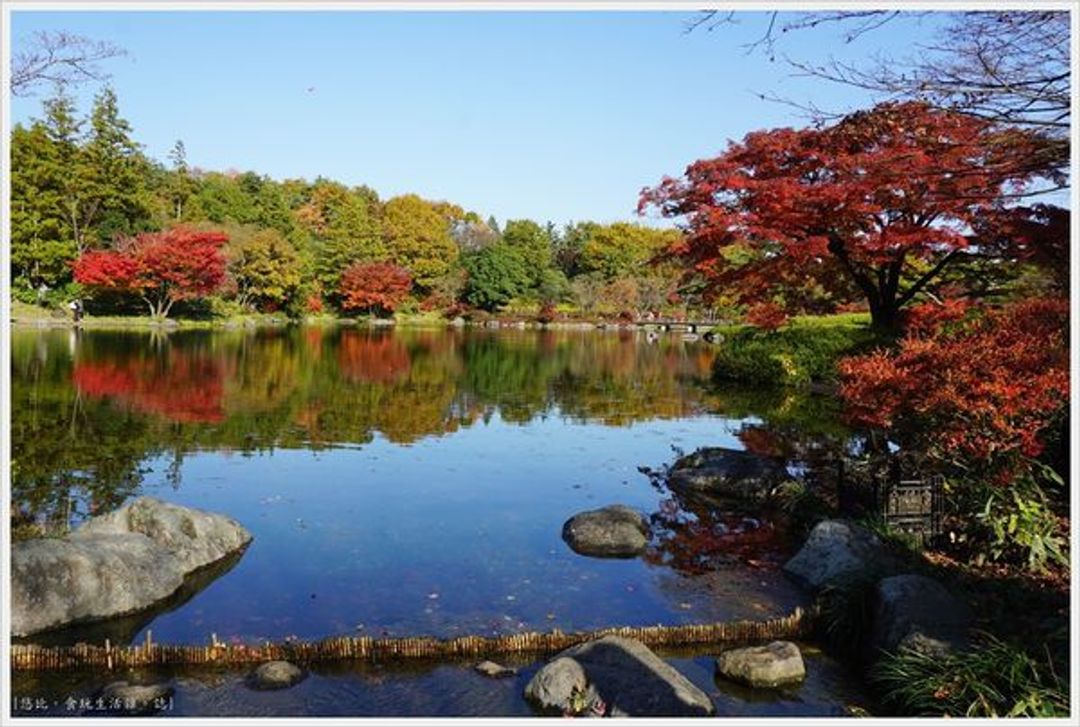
[72, 190]
[994, 679]
[264, 266]
[846, 612]
[533, 244]
[418, 238]
[1020, 524]
[803, 352]
[622, 249]
[344, 229]
[495, 275]
[553, 287]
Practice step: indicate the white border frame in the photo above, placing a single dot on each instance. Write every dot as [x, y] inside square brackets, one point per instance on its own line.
[9, 6]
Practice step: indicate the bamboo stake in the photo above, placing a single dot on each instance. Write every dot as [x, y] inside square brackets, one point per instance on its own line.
[32, 657]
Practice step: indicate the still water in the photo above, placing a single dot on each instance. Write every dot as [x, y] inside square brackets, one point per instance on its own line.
[402, 482]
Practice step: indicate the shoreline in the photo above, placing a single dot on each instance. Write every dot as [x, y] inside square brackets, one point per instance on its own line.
[171, 324]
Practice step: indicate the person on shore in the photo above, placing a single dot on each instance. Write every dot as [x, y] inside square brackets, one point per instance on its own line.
[76, 310]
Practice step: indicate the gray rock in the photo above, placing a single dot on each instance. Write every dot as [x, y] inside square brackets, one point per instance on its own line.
[491, 669]
[772, 665]
[276, 675]
[55, 582]
[616, 531]
[194, 537]
[622, 674]
[916, 612]
[721, 474]
[125, 698]
[836, 550]
[115, 564]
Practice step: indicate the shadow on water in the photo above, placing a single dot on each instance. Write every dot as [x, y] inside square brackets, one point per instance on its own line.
[123, 629]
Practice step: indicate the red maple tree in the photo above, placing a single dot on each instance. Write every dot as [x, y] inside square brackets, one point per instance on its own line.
[160, 267]
[380, 287]
[970, 388]
[766, 315]
[875, 205]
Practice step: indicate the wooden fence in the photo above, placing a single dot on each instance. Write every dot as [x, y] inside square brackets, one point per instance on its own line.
[32, 657]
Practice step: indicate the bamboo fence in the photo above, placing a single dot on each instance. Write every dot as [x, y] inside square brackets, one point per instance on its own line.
[33, 657]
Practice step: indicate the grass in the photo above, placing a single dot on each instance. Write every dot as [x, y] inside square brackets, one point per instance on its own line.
[803, 352]
[33, 315]
[993, 679]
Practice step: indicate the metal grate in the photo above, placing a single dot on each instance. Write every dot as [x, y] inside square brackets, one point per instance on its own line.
[909, 503]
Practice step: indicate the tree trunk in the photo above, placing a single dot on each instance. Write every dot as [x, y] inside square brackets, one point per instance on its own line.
[885, 317]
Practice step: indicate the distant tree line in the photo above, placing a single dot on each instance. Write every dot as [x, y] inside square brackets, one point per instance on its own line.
[88, 203]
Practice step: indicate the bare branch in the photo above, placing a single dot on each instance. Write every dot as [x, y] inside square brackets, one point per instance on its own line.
[59, 58]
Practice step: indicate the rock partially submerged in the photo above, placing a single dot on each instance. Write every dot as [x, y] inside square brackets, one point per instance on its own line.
[195, 538]
[276, 675]
[721, 474]
[773, 665]
[616, 531]
[916, 612]
[116, 564]
[836, 550]
[616, 677]
[493, 670]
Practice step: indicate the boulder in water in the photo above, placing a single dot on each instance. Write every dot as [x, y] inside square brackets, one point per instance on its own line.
[616, 531]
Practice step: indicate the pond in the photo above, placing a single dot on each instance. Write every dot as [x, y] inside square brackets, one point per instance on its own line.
[402, 482]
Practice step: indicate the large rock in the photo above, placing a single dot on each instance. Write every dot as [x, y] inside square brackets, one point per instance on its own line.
[836, 550]
[276, 675]
[616, 531]
[916, 612]
[55, 582]
[115, 565]
[196, 538]
[772, 665]
[720, 474]
[622, 675]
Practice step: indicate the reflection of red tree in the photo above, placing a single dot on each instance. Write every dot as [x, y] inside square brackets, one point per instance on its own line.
[181, 387]
[763, 441]
[378, 359]
[695, 542]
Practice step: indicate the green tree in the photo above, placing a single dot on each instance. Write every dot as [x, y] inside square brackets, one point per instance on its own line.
[621, 249]
[181, 184]
[115, 187]
[417, 234]
[495, 275]
[265, 266]
[344, 229]
[42, 243]
[533, 244]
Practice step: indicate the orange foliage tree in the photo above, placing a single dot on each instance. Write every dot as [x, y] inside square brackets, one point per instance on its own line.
[376, 287]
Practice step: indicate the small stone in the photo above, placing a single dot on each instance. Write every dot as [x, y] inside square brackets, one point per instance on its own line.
[773, 665]
[496, 671]
[276, 675]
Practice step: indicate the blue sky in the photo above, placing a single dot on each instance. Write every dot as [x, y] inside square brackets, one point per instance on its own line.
[553, 116]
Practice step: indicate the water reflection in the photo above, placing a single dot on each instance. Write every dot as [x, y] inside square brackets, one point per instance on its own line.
[85, 414]
[377, 468]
